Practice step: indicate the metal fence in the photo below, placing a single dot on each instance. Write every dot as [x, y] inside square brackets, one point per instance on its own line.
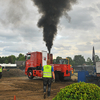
[90, 68]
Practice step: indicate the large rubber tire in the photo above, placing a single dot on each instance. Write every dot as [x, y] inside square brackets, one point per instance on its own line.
[56, 76]
[61, 77]
[30, 74]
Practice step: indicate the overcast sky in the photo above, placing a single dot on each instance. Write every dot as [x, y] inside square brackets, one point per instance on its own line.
[19, 32]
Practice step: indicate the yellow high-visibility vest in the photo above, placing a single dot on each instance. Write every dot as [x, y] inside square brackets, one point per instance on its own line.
[0, 69]
[47, 73]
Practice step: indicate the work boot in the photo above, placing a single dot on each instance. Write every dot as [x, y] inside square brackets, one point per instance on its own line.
[44, 95]
[48, 93]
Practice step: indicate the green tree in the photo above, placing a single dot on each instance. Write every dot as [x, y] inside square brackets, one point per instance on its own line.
[79, 60]
[96, 58]
[21, 58]
[71, 62]
[10, 59]
[57, 59]
[3, 59]
[54, 61]
[6, 60]
[0, 60]
[89, 61]
[14, 58]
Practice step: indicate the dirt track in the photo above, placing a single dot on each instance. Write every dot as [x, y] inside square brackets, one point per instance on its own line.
[26, 89]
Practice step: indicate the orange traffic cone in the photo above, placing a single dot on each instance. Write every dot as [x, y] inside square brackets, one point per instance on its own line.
[14, 97]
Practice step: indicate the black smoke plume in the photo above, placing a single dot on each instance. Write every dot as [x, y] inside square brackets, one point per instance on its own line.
[51, 11]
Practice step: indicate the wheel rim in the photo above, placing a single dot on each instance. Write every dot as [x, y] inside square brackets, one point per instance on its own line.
[29, 74]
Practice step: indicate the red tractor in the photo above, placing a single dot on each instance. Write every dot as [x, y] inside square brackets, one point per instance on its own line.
[35, 61]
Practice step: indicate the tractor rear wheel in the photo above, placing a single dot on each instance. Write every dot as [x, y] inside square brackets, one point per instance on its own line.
[61, 77]
[56, 76]
[30, 74]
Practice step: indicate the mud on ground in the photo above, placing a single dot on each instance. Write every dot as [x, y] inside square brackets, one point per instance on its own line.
[12, 73]
[26, 89]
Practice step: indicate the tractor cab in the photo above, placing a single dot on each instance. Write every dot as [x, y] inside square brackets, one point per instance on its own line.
[64, 61]
[28, 56]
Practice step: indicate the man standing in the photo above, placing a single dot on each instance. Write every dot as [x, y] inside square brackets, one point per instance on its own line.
[0, 72]
[47, 73]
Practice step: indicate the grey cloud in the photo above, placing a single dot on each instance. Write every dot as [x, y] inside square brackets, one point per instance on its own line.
[28, 31]
[97, 46]
[30, 34]
[9, 53]
[63, 37]
[80, 19]
[3, 44]
[84, 47]
[96, 40]
[23, 32]
[20, 47]
[98, 5]
[7, 36]
[98, 17]
[17, 48]
[59, 46]
[13, 11]
[92, 9]
[88, 47]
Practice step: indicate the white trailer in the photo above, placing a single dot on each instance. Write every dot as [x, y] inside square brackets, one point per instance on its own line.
[98, 69]
[8, 66]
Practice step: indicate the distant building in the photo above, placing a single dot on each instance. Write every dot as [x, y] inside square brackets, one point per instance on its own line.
[20, 63]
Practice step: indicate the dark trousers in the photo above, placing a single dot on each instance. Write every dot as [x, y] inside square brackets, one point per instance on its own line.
[47, 82]
[0, 75]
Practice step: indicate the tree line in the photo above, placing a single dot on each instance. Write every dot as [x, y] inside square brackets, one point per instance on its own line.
[77, 60]
[11, 59]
